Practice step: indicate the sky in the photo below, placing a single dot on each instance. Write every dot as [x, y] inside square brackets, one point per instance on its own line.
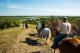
[40, 7]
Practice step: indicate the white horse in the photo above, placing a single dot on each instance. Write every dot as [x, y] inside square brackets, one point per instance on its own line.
[45, 33]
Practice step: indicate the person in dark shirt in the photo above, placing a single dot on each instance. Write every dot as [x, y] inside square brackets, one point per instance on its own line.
[40, 25]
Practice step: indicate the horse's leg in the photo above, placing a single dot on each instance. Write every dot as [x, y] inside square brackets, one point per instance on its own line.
[41, 36]
[53, 50]
[56, 50]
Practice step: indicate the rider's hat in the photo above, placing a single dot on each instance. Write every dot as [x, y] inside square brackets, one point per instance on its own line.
[65, 18]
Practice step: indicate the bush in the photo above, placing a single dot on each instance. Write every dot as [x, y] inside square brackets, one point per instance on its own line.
[9, 23]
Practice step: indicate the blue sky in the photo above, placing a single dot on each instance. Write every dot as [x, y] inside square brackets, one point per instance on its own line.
[40, 7]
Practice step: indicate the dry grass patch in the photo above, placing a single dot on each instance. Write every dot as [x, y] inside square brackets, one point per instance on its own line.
[8, 39]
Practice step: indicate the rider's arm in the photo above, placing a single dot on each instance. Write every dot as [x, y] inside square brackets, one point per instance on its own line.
[69, 28]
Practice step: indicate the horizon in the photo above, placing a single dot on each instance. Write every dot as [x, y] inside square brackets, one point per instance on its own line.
[39, 8]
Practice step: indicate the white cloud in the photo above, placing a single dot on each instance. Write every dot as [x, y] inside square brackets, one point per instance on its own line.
[13, 6]
[65, 11]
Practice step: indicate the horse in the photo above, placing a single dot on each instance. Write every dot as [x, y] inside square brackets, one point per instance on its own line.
[70, 46]
[45, 33]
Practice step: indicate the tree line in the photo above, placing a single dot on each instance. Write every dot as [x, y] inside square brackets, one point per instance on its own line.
[14, 21]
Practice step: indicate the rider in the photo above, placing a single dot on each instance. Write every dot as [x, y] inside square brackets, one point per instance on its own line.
[65, 28]
[40, 25]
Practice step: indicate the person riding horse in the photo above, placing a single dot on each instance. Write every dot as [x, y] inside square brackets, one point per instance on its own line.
[40, 25]
[43, 31]
[64, 28]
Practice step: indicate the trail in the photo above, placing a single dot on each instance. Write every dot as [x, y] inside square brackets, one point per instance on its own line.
[29, 44]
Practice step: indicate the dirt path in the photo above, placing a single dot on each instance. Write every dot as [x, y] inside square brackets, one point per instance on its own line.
[30, 44]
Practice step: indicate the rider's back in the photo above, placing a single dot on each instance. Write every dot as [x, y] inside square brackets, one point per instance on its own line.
[65, 28]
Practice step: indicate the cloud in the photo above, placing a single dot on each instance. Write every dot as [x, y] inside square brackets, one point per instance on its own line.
[13, 6]
[64, 11]
[10, 5]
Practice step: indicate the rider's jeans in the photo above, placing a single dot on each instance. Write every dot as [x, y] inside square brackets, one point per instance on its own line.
[57, 39]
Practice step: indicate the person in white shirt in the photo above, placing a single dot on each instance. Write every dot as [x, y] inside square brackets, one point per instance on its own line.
[64, 28]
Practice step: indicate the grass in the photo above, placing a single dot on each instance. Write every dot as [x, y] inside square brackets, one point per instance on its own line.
[9, 43]
[8, 39]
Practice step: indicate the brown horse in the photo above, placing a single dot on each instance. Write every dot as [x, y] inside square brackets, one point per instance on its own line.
[70, 46]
